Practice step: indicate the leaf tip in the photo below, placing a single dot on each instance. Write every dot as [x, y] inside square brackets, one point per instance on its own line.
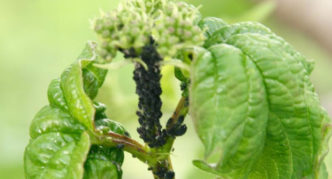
[205, 166]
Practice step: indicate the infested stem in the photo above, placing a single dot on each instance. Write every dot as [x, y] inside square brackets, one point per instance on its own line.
[129, 145]
[148, 89]
[154, 159]
[179, 114]
[158, 159]
[159, 141]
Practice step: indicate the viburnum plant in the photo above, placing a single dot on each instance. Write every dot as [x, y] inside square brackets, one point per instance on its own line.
[247, 91]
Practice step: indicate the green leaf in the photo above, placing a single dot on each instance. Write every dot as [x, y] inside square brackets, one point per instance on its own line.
[210, 25]
[323, 173]
[103, 162]
[50, 119]
[93, 79]
[179, 75]
[254, 106]
[56, 155]
[222, 34]
[60, 133]
[55, 95]
[79, 104]
[80, 84]
[58, 146]
[106, 125]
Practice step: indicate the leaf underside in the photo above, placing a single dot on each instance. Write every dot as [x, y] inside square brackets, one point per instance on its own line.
[254, 106]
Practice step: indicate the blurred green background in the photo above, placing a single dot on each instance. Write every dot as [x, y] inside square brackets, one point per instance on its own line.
[39, 38]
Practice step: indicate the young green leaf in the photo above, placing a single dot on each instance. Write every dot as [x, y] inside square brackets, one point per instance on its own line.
[253, 104]
[103, 162]
[210, 25]
[50, 119]
[80, 84]
[62, 133]
[57, 148]
[226, 31]
[55, 95]
[93, 79]
[56, 155]
[79, 103]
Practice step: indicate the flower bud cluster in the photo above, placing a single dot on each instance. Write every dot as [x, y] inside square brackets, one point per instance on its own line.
[152, 6]
[129, 27]
[175, 29]
[150, 30]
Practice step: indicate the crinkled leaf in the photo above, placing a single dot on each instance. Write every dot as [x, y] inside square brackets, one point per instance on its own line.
[210, 25]
[222, 34]
[106, 125]
[79, 85]
[79, 103]
[56, 155]
[55, 95]
[50, 119]
[253, 104]
[93, 79]
[57, 148]
[103, 162]
[60, 140]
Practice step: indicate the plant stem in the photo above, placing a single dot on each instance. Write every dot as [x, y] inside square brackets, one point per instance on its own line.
[181, 110]
[131, 146]
[128, 144]
[155, 158]
[159, 142]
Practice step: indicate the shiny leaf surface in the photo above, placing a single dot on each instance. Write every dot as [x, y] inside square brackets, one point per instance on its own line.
[254, 106]
[60, 133]
[56, 155]
[103, 162]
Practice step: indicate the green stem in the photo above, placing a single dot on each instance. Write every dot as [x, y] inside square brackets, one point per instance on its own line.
[128, 144]
[181, 110]
[154, 158]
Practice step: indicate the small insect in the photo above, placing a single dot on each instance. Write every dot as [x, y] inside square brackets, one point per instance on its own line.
[120, 146]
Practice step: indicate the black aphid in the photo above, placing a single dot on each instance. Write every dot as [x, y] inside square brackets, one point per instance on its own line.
[149, 90]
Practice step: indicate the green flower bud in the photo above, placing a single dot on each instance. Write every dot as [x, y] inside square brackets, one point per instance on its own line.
[125, 28]
[176, 29]
[105, 34]
[108, 22]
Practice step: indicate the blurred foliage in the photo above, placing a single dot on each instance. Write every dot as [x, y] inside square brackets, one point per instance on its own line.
[236, 10]
[40, 38]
